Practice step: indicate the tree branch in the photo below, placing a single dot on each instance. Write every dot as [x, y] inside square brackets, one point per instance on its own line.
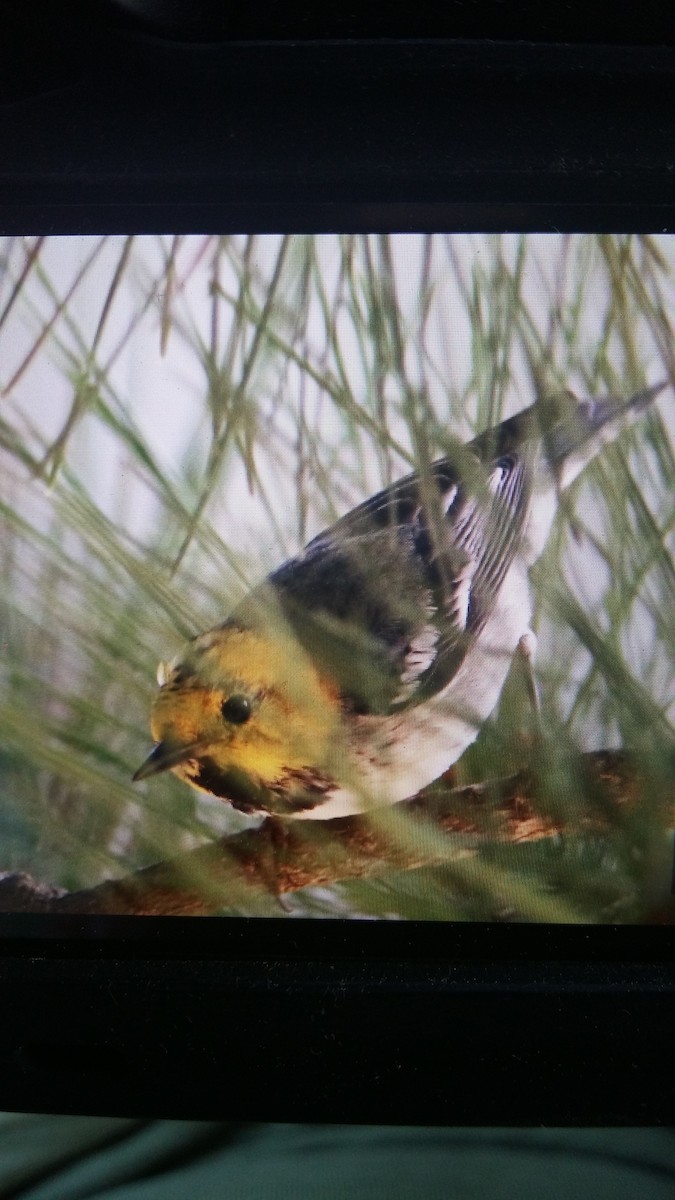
[430, 830]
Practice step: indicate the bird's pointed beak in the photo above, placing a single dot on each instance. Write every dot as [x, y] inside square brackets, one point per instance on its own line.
[164, 757]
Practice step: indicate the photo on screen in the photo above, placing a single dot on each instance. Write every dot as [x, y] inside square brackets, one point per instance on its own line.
[336, 576]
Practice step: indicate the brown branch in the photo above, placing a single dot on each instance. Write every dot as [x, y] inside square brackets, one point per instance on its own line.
[430, 830]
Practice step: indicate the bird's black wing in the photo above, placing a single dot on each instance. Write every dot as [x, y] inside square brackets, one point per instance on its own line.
[392, 595]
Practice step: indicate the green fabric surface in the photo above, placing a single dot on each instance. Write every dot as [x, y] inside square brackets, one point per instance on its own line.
[90, 1158]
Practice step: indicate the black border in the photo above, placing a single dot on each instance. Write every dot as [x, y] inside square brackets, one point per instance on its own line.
[275, 218]
[337, 1021]
[258, 938]
[128, 126]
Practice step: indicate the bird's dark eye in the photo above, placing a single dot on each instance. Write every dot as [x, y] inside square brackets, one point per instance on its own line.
[236, 709]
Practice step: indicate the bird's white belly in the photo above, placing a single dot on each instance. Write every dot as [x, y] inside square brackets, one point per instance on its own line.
[391, 758]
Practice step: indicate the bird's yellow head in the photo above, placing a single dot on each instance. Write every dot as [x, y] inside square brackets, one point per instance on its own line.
[246, 717]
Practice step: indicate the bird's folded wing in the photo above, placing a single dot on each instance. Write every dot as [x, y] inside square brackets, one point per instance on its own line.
[405, 581]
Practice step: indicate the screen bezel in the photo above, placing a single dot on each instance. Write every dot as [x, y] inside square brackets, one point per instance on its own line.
[133, 1015]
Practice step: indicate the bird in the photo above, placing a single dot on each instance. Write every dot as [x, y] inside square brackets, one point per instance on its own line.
[359, 671]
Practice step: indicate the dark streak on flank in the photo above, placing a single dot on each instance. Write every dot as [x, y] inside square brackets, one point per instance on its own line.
[242, 792]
